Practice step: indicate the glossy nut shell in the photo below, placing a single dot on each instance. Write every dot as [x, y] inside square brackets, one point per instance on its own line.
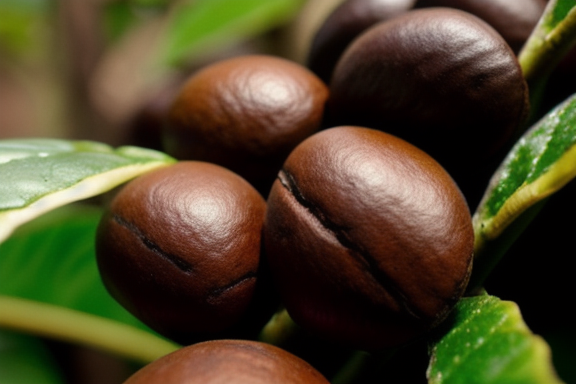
[343, 25]
[514, 20]
[230, 362]
[439, 78]
[246, 114]
[369, 239]
[179, 248]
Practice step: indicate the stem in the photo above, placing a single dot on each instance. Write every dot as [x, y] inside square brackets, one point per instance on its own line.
[489, 252]
[353, 368]
[279, 330]
[74, 326]
[544, 49]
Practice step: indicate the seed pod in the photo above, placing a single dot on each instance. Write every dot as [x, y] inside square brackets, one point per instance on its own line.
[179, 248]
[246, 114]
[368, 238]
[231, 362]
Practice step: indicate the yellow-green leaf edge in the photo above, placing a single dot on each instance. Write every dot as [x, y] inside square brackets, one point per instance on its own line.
[141, 160]
[459, 355]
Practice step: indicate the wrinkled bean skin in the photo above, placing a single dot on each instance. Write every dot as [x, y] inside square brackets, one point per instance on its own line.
[179, 247]
[246, 114]
[439, 78]
[230, 362]
[513, 20]
[368, 238]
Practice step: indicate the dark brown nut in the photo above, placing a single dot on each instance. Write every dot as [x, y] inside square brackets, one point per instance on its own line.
[368, 238]
[514, 20]
[246, 114]
[230, 362]
[179, 248]
[343, 25]
[439, 78]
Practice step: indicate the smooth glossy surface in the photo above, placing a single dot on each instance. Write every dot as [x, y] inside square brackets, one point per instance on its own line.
[369, 239]
[343, 25]
[430, 76]
[246, 114]
[180, 248]
[229, 362]
[514, 20]
[441, 79]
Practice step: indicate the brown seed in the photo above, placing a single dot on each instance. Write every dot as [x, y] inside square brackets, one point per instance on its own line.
[229, 362]
[180, 248]
[440, 78]
[246, 114]
[369, 239]
[514, 20]
[350, 19]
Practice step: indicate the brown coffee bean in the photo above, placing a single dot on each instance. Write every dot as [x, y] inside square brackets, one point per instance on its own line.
[179, 248]
[246, 114]
[440, 78]
[368, 238]
[514, 20]
[230, 362]
[350, 19]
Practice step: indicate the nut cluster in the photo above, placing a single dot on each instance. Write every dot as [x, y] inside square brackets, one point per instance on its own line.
[337, 191]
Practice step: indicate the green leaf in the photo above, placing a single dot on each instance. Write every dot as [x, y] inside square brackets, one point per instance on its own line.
[550, 41]
[541, 162]
[25, 359]
[52, 260]
[20, 21]
[39, 175]
[119, 17]
[50, 286]
[489, 343]
[559, 11]
[198, 26]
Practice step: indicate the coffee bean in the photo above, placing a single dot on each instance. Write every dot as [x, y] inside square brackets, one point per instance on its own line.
[368, 238]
